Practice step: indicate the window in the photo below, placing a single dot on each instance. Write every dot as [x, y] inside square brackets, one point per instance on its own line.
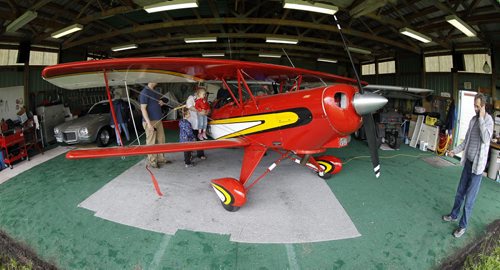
[8, 57]
[475, 62]
[442, 63]
[38, 58]
[387, 67]
[368, 69]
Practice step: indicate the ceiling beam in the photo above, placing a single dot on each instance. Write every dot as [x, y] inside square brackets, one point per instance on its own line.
[39, 4]
[13, 7]
[243, 36]
[90, 18]
[253, 21]
[221, 47]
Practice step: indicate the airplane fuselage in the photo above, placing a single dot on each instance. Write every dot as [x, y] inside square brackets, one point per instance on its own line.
[305, 121]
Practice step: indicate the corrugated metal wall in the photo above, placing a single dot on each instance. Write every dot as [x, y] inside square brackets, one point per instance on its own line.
[36, 83]
[476, 80]
[11, 77]
[439, 82]
[410, 80]
[409, 64]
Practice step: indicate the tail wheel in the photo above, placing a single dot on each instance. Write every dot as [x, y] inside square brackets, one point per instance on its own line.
[231, 193]
[327, 167]
[330, 165]
[230, 208]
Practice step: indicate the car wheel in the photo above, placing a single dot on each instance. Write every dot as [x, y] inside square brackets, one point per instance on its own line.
[103, 137]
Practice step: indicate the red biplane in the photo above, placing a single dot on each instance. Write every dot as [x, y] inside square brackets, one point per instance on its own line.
[311, 112]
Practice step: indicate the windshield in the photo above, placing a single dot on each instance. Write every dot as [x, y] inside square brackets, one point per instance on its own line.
[99, 108]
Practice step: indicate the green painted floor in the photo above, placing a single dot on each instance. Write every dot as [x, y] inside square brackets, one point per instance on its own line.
[398, 216]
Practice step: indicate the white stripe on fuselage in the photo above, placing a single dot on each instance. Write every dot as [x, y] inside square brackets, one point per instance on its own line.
[221, 130]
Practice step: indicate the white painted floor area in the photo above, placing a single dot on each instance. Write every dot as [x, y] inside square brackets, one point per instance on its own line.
[290, 205]
[25, 165]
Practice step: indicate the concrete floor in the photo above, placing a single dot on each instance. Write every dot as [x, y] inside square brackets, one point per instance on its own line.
[397, 216]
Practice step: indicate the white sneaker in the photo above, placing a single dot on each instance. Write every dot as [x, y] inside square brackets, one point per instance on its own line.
[459, 232]
[449, 218]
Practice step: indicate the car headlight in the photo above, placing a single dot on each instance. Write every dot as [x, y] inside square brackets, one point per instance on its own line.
[83, 131]
[57, 131]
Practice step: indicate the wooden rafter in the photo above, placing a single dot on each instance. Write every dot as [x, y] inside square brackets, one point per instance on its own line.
[325, 42]
[252, 21]
[215, 13]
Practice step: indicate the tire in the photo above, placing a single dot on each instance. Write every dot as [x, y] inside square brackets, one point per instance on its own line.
[325, 176]
[103, 137]
[230, 208]
[392, 141]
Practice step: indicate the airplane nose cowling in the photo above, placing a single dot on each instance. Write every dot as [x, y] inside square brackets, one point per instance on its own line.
[368, 102]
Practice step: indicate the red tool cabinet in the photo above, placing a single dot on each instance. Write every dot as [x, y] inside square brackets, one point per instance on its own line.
[14, 147]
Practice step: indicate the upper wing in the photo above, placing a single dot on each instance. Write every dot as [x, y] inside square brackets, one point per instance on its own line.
[89, 74]
[154, 149]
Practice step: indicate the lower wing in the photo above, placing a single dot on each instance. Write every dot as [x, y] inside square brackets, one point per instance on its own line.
[154, 149]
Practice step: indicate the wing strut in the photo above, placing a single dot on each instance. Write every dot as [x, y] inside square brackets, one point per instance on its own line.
[240, 75]
[231, 92]
[112, 108]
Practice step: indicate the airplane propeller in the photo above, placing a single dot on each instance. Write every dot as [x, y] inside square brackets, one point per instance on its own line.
[365, 104]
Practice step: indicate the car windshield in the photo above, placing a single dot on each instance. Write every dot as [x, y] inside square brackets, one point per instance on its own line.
[99, 108]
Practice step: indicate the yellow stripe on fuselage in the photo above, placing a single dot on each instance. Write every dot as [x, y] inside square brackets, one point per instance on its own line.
[269, 121]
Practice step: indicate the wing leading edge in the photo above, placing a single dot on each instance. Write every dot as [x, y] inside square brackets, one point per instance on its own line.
[154, 149]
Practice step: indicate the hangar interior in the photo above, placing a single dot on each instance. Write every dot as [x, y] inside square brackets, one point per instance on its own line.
[105, 213]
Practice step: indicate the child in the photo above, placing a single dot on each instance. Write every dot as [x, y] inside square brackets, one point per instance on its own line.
[202, 106]
[186, 135]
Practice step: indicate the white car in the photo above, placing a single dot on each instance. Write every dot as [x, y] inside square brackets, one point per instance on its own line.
[95, 125]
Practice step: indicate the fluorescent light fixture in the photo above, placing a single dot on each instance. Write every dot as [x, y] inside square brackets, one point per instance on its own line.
[327, 60]
[270, 55]
[461, 25]
[359, 50]
[171, 5]
[307, 6]
[212, 54]
[124, 47]
[67, 30]
[27, 17]
[414, 34]
[282, 40]
[200, 39]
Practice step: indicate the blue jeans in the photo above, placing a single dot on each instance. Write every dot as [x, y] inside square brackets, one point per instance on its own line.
[121, 127]
[202, 121]
[467, 189]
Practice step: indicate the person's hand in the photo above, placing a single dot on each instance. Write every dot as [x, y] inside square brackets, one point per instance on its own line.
[161, 102]
[149, 126]
[482, 111]
[450, 153]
